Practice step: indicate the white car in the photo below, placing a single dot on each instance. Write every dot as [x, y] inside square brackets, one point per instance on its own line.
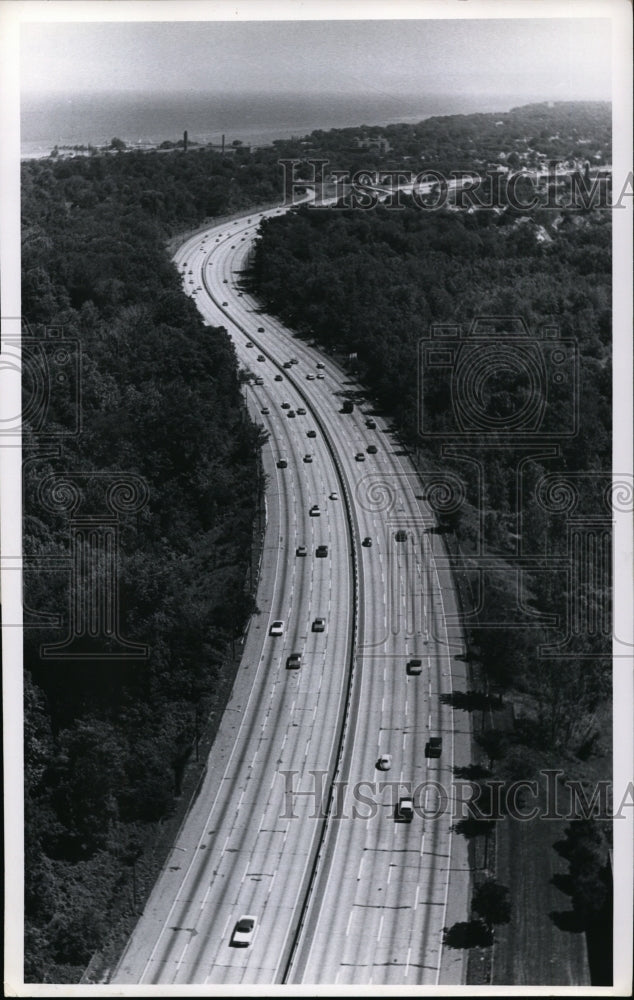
[314, 511]
[277, 628]
[243, 932]
[333, 496]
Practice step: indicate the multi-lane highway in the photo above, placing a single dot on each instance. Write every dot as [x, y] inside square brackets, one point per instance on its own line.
[342, 894]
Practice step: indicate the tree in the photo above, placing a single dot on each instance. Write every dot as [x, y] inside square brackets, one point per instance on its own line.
[491, 902]
[117, 144]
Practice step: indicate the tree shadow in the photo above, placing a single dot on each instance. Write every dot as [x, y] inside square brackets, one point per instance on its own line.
[563, 882]
[468, 934]
[567, 920]
[471, 701]
[472, 827]
[472, 772]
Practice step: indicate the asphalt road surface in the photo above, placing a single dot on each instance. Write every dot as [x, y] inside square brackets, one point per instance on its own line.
[342, 893]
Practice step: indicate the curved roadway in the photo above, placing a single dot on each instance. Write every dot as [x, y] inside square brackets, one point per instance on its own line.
[361, 899]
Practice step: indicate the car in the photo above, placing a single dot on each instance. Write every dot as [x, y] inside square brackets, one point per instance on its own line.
[294, 661]
[314, 511]
[243, 932]
[367, 541]
[404, 811]
[401, 536]
[311, 434]
[277, 628]
[301, 412]
[278, 378]
[322, 551]
[320, 364]
[260, 329]
[261, 357]
[287, 364]
[333, 496]
[286, 406]
[320, 375]
[319, 625]
[264, 410]
[239, 295]
[259, 380]
[282, 463]
[414, 667]
[191, 281]
[310, 377]
[384, 762]
[249, 343]
[360, 457]
[291, 413]
[294, 361]
[433, 747]
[225, 281]
[372, 449]
[301, 550]
[190, 272]
[371, 424]
[233, 246]
[308, 458]
[225, 303]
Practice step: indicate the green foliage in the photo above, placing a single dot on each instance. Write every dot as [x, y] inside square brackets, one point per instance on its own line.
[491, 901]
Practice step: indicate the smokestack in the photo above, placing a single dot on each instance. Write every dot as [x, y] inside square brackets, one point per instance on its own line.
[185, 140]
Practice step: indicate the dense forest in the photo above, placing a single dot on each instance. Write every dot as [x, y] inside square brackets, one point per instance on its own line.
[369, 287]
[150, 402]
[106, 739]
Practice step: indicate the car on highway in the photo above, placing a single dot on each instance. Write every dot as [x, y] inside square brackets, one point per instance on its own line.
[333, 496]
[371, 424]
[372, 449]
[260, 329]
[278, 378]
[311, 434]
[360, 457]
[384, 762]
[320, 364]
[285, 405]
[225, 281]
[321, 551]
[319, 625]
[259, 380]
[225, 303]
[367, 541]
[287, 364]
[433, 747]
[414, 667]
[239, 295]
[320, 375]
[310, 377]
[261, 357]
[401, 536]
[314, 511]
[308, 458]
[249, 343]
[294, 661]
[282, 463]
[291, 413]
[301, 412]
[243, 932]
[404, 811]
[190, 272]
[264, 410]
[277, 628]
[301, 550]
[294, 361]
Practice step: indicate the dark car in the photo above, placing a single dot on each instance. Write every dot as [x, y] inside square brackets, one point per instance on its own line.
[401, 536]
[433, 747]
[322, 551]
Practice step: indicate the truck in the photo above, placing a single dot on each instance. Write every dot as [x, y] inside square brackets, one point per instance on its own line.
[348, 406]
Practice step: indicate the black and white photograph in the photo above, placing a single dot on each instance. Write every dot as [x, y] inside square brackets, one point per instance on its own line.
[316, 497]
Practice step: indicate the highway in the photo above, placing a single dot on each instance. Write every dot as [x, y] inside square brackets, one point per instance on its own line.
[359, 898]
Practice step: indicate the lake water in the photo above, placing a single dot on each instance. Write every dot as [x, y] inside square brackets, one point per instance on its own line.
[50, 120]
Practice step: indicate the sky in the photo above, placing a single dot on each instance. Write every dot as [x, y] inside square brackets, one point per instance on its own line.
[563, 59]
